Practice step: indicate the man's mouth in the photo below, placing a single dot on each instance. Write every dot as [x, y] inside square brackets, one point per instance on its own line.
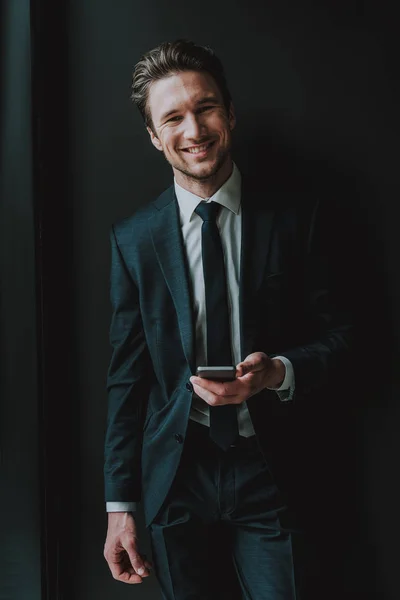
[198, 149]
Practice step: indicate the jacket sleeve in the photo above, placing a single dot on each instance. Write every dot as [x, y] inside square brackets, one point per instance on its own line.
[326, 302]
[128, 382]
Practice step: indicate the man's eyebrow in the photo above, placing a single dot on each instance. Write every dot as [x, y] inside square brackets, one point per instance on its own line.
[204, 100]
[207, 99]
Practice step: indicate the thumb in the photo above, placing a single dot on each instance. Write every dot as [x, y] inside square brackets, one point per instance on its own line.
[248, 365]
[134, 556]
[253, 362]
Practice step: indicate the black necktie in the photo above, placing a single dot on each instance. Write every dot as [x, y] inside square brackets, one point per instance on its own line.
[223, 419]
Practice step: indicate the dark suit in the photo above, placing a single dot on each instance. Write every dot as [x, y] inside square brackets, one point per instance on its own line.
[286, 307]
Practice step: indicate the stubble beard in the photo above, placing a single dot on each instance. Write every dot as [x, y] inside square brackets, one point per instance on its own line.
[221, 158]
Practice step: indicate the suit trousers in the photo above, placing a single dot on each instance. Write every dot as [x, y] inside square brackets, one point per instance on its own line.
[218, 534]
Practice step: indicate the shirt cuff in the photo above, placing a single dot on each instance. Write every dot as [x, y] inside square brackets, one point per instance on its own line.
[121, 506]
[286, 390]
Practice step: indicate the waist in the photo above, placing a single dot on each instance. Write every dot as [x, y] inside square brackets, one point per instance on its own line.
[198, 431]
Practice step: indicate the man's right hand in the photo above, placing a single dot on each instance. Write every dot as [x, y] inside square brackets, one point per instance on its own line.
[121, 549]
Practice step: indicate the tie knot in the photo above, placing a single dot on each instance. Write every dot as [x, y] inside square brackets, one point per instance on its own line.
[207, 210]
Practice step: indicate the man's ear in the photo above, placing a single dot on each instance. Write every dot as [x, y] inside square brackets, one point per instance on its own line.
[154, 139]
[231, 116]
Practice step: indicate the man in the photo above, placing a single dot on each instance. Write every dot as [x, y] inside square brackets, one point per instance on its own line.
[214, 272]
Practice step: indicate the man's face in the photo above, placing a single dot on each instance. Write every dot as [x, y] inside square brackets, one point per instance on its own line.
[191, 124]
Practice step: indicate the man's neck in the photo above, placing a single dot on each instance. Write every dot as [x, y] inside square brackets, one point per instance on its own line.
[207, 187]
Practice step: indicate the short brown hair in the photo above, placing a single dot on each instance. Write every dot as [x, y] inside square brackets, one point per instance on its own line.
[174, 57]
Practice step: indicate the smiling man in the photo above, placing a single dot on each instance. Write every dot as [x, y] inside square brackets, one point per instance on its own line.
[192, 126]
[209, 274]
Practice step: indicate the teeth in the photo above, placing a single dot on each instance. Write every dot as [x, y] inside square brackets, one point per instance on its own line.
[198, 149]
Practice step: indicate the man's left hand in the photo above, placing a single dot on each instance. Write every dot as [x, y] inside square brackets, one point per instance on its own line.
[255, 373]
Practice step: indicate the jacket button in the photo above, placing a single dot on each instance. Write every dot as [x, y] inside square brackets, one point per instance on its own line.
[189, 387]
[179, 438]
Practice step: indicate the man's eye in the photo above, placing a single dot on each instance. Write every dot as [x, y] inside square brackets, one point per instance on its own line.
[204, 108]
[176, 118]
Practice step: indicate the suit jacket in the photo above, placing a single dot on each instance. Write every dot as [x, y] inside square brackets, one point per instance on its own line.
[289, 306]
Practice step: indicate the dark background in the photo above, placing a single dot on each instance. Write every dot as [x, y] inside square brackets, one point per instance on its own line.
[316, 90]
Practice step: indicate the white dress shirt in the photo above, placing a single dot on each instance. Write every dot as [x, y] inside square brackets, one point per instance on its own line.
[229, 221]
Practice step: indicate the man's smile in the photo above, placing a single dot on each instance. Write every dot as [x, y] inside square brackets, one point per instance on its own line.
[200, 149]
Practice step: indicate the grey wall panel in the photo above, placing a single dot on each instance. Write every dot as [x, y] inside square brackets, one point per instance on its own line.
[20, 568]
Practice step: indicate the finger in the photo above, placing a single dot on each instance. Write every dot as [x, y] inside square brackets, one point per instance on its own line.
[136, 560]
[139, 572]
[254, 362]
[204, 394]
[242, 369]
[250, 365]
[216, 399]
[129, 576]
[122, 570]
[220, 388]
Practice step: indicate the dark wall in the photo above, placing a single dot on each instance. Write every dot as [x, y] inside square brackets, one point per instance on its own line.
[20, 568]
[316, 90]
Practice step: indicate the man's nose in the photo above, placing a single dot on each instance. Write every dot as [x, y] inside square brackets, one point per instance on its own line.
[194, 127]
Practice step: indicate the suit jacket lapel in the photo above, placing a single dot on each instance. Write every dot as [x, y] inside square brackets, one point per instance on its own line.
[168, 243]
[257, 221]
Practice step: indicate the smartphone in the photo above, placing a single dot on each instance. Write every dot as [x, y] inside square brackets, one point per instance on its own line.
[217, 373]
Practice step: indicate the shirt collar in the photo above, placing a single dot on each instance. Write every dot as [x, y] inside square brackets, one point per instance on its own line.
[228, 195]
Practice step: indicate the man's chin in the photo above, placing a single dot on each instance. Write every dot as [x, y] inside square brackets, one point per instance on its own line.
[201, 172]
[202, 175]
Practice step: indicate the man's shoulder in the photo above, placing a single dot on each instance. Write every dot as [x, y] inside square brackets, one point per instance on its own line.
[137, 221]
